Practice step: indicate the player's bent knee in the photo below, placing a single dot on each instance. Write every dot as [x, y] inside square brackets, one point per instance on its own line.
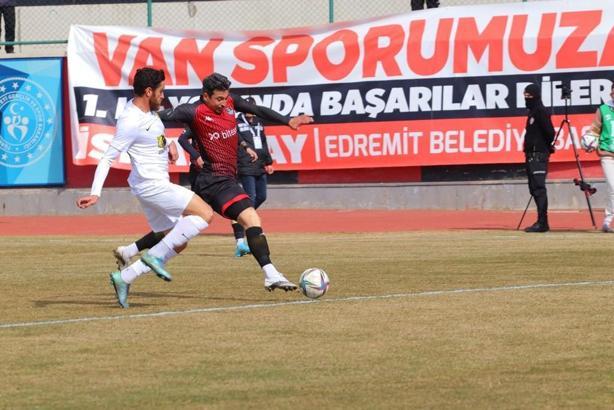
[249, 218]
[238, 209]
[207, 214]
[200, 208]
[198, 222]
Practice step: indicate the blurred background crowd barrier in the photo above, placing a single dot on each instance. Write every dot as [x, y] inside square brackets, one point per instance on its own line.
[42, 25]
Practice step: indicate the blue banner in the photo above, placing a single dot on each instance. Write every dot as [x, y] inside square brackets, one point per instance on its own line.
[31, 130]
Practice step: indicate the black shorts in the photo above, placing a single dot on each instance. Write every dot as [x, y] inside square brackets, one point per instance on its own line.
[192, 176]
[221, 192]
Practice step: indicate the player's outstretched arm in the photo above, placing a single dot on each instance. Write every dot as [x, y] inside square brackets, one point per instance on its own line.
[268, 114]
[102, 170]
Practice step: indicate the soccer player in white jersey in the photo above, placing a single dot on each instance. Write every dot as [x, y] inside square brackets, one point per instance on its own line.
[168, 207]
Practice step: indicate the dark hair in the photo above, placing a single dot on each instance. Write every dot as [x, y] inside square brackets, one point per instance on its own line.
[147, 77]
[215, 81]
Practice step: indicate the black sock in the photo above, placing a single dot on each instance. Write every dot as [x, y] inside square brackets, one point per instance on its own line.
[258, 245]
[149, 241]
[238, 230]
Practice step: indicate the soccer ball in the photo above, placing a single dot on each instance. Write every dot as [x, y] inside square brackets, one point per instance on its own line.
[589, 141]
[314, 283]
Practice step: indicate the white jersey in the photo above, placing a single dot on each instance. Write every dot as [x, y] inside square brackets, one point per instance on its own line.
[141, 135]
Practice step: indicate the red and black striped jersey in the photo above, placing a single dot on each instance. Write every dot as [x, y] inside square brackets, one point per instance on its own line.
[216, 134]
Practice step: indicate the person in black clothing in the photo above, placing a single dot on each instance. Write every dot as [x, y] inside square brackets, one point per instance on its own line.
[252, 173]
[7, 12]
[419, 4]
[539, 135]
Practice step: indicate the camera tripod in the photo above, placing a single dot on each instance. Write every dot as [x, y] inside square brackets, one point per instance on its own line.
[579, 182]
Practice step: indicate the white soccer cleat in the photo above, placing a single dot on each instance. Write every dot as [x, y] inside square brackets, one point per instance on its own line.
[279, 282]
[121, 258]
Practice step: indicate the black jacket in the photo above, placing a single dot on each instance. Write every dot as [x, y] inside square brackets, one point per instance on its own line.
[539, 130]
[251, 132]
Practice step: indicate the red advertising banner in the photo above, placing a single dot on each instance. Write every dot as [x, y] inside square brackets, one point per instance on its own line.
[440, 87]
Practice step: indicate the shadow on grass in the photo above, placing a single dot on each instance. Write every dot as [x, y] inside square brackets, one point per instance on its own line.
[42, 304]
[109, 299]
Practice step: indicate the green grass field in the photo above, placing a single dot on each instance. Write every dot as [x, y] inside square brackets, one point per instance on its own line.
[455, 319]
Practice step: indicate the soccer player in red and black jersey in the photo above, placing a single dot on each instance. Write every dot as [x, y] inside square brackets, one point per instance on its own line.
[213, 125]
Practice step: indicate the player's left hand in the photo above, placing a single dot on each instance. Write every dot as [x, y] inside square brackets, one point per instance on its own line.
[252, 154]
[173, 154]
[269, 169]
[87, 201]
[299, 120]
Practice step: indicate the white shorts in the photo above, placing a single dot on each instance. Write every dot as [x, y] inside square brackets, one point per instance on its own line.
[163, 203]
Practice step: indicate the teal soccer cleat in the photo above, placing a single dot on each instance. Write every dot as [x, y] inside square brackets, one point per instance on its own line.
[242, 250]
[157, 266]
[121, 288]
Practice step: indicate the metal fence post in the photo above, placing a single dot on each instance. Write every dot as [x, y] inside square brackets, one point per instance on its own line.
[149, 13]
[331, 11]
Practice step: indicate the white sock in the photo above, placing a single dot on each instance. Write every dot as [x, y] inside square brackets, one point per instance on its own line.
[240, 241]
[138, 268]
[133, 271]
[187, 228]
[159, 250]
[271, 272]
[169, 255]
[131, 250]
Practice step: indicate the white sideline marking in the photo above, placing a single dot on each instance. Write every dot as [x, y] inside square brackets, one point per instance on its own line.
[303, 302]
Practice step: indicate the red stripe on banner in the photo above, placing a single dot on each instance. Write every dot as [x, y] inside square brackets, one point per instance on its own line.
[415, 143]
[377, 144]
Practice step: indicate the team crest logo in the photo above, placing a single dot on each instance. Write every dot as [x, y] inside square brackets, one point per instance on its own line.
[161, 141]
[28, 125]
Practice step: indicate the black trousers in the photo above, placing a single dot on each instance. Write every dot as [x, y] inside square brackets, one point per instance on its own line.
[536, 164]
[8, 14]
[419, 4]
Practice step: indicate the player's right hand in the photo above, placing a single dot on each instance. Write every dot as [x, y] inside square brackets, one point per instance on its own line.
[87, 201]
[299, 120]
